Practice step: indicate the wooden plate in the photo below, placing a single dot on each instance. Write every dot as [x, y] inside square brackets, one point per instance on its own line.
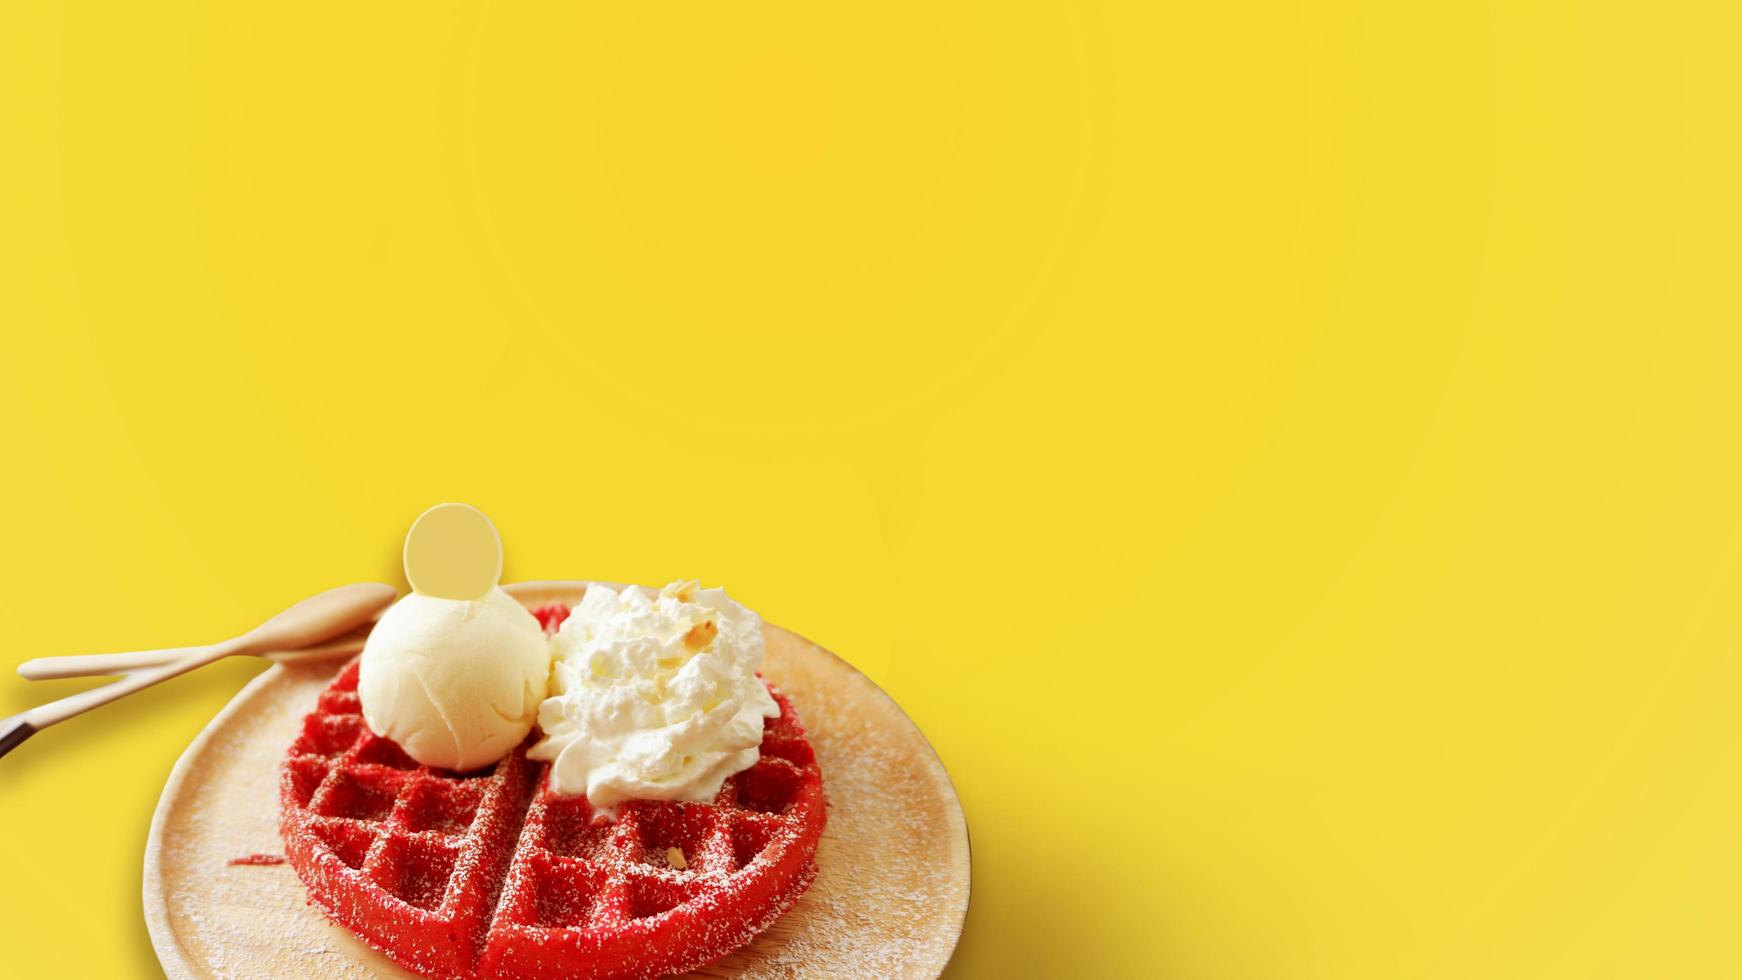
[889, 899]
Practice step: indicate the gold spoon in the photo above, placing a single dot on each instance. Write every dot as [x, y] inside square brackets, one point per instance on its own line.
[309, 622]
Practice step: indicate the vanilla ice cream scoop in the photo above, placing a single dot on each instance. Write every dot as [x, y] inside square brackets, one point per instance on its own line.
[456, 682]
[654, 698]
[455, 671]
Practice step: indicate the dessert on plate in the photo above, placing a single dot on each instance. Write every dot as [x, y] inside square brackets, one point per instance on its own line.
[603, 790]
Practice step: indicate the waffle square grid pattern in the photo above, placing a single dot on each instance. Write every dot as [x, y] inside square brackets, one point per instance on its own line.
[490, 874]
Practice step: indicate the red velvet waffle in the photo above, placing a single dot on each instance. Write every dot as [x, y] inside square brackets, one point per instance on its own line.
[488, 874]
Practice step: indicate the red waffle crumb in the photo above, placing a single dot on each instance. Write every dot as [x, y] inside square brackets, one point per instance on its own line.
[490, 874]
[550, 617]
[256, 860]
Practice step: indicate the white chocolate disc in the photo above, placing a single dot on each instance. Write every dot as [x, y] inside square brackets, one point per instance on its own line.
[453, 552]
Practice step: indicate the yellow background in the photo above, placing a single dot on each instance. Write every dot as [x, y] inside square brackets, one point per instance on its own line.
[1283, 454]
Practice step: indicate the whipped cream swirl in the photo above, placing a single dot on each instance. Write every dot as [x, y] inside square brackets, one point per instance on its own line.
[653, 698]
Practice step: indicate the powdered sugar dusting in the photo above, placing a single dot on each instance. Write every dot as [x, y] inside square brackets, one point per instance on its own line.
[865, 920]
[239, 921]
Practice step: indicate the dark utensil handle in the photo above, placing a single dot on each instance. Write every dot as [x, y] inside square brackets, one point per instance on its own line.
[19, 731]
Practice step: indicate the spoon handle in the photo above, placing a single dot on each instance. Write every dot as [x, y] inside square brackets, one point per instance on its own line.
[95, 664]
[101, 664]
[321, 618]
[25, 724]
[16, 730]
